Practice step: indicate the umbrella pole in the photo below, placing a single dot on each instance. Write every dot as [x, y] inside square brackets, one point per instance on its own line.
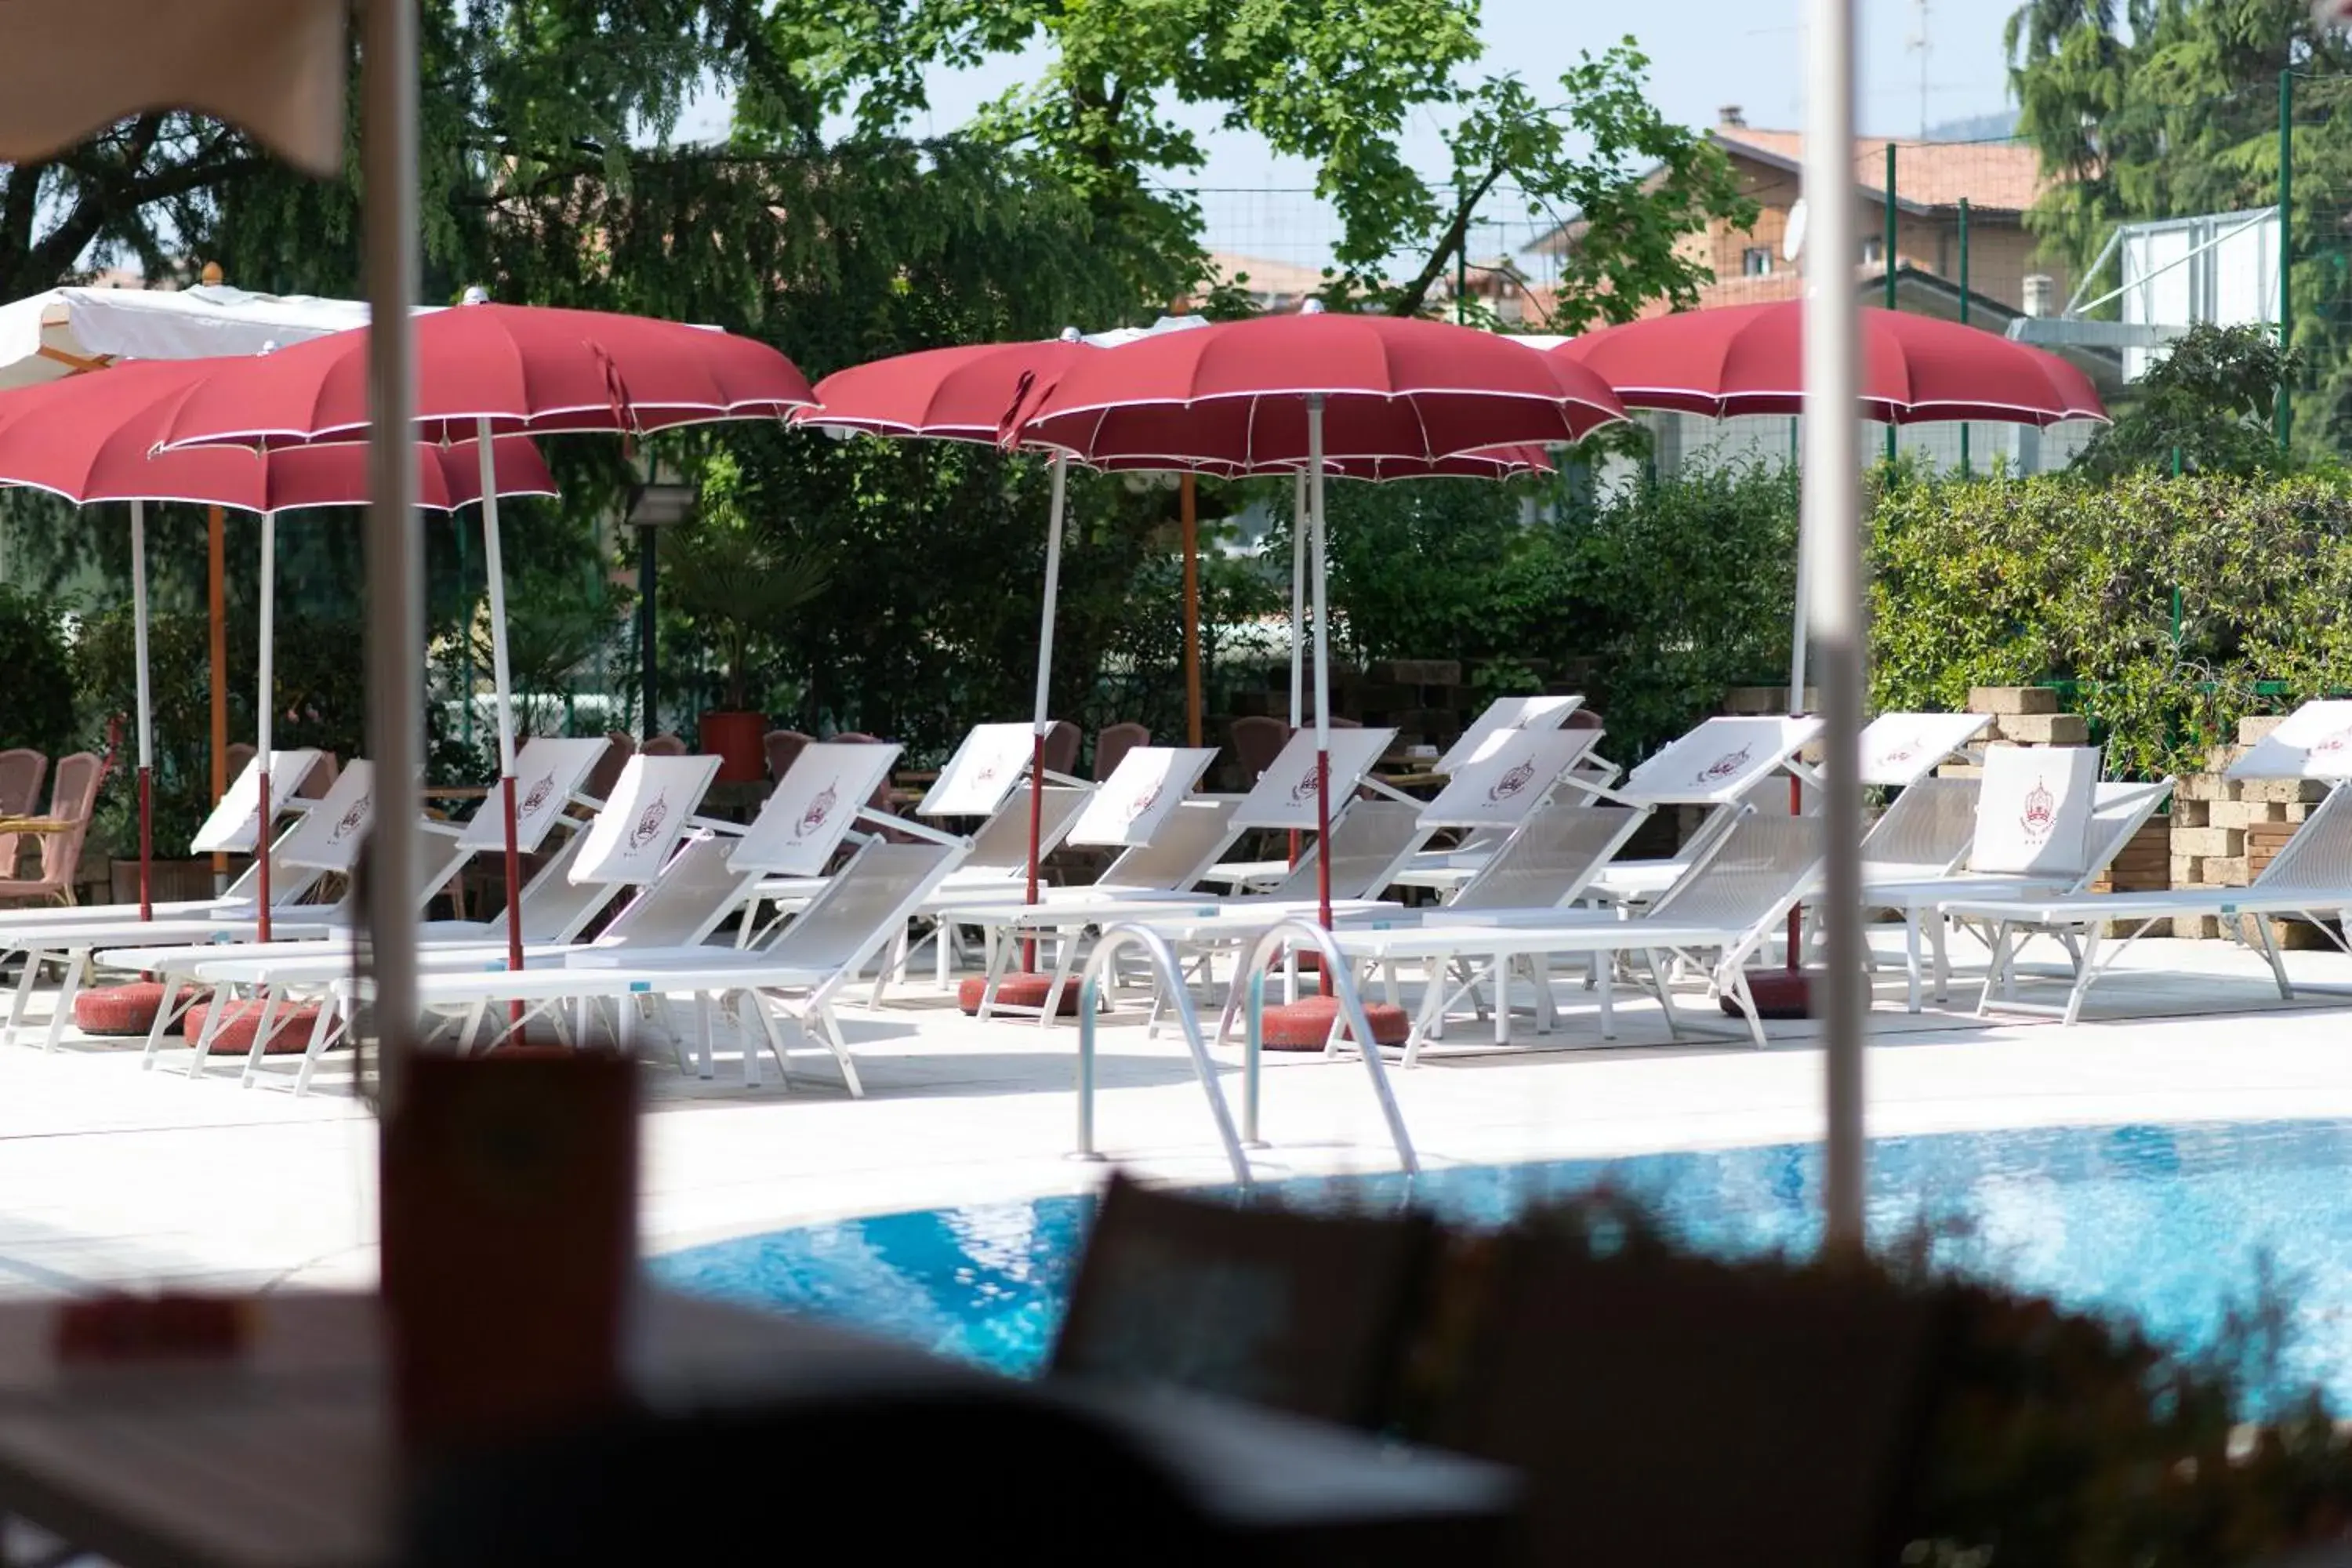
[1043, 722]
[216, 610]
[1322, 667]
[146, 710]
[1298, 530]
[1831, 544]
[494, 567]
[266, 711]
[1189, 513]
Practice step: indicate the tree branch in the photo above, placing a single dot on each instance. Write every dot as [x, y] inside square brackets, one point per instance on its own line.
[1407, 301]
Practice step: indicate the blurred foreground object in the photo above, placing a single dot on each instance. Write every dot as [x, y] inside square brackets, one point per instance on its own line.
[274, 69]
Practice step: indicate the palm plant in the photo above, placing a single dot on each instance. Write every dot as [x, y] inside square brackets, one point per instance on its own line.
[739, 587]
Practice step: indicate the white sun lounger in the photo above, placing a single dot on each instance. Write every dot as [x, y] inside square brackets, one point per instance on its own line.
[2309, 878]
[1717, 765]
[1726, 906]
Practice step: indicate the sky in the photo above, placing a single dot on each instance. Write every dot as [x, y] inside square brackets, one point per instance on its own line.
[1704, 54]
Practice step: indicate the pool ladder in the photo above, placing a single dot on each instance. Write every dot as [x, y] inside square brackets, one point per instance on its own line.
[1169, 975]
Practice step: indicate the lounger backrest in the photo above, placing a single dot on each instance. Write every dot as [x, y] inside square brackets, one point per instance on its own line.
[2117, 811]
[1369, 846]
[21, 772]
[866, 903]
[1931, 824]
[1549, 861]
[1002, 844]
[1194, 836]
[681, 908]
[554, 907]
[1757, 869]
[2319, 856]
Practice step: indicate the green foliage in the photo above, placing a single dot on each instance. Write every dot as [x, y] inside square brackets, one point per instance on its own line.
[1637, 183]
[1653, 599]
[2171, 109]
[2204, 408]
[2005, 582]
[37, 706]
[738, 577]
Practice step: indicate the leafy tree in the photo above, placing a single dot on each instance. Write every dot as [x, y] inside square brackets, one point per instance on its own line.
[2204, 407]
[2170, 107]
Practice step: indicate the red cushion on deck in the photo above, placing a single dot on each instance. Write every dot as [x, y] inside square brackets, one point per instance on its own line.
[1018, 991]
[125, 1009]
[1306, 1024]
[289, 1035]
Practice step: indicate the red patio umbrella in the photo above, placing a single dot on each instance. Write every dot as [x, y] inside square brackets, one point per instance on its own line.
[1749, 359]
[1273, 394]
[487, 369]
[91, 438]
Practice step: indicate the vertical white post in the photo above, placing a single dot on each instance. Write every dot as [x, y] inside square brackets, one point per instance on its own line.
[1832, 554]
[1300, 526]
[146, 710]
[264, 714]
[395, 585]
[502, 679]
[1322, 665]
[1042, 718]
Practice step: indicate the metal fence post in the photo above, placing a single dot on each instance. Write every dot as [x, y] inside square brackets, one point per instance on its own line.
[2283, 415]
[1888, 261]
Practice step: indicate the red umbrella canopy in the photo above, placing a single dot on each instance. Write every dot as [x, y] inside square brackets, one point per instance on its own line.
[1749, 359]
[525, 370]
[92, 438]
[1236, 394]
[966, 393]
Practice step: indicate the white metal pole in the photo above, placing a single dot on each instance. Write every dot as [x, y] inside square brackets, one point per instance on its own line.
[1832, 551]
[1322, 665]
[1299, 528]
[494, 565]
[1043, 719]
[395, 585]
[146, 710]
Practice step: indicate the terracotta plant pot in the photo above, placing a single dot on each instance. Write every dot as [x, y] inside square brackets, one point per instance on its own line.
[734, 739]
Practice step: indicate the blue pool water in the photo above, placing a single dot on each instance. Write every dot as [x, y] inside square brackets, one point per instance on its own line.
[2173, 1225]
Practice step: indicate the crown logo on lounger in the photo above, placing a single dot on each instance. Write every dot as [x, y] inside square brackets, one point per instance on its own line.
[350, 820]
[1144, 802]
[818, 810]
[538, 794]
[2333, 744]
[2040, 814]
[1725, 767]
[650, 823]
[1511, 783]
[1308, 787]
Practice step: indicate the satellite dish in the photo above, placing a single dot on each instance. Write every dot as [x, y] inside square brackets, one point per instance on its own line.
[1792, 238]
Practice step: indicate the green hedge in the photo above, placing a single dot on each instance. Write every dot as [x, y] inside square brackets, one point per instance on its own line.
[2011, 582]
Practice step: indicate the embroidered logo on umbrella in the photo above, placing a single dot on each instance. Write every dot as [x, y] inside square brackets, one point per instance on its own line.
[2040, 814]
[650, 823]
[1144, 802]
[1511, 783]
[350, 820]
[1308, 787]
[1725, 767]
[818, 810]
[537, 796]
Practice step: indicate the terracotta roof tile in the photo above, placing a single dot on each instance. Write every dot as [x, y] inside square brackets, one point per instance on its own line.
[1998, 176]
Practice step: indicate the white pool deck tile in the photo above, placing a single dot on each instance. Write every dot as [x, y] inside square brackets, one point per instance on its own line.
[110, 1174]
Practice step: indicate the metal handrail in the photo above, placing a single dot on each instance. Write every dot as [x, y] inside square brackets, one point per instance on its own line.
[1336, 976]
[1171, 975]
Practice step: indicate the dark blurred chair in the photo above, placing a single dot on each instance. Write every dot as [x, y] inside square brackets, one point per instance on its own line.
[22, 768]
[783, 748]
[1306, 1313]
[1678, 1413]
[1062, 748]
[1582, 718]
[1257, 740]
[1114, 741]
[321, 777]
[238, 754]
[664, 745]
[880, 800]
[73, 794]
[919, 1477]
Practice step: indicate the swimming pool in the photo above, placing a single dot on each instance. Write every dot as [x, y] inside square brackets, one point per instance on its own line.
[2171, 1225]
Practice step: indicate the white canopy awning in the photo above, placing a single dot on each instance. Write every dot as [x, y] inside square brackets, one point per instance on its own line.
[64, 330]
